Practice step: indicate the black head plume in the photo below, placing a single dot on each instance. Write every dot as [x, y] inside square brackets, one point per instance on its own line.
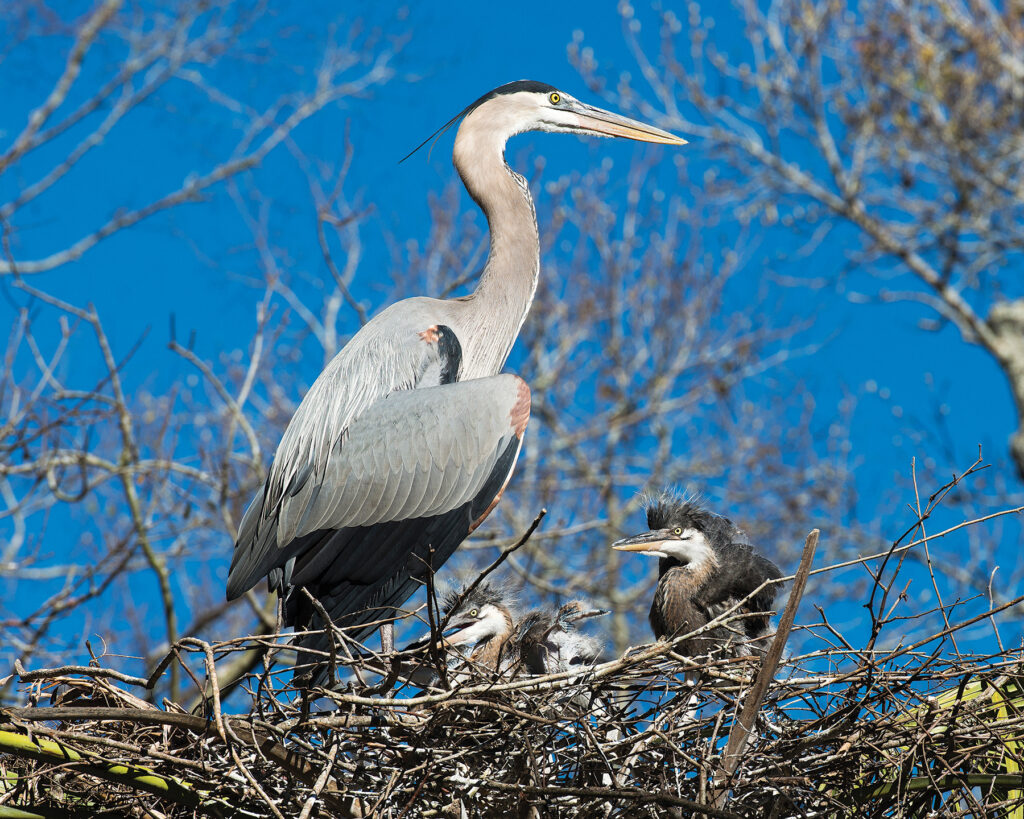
[483, 595]
[507, 88]
[669, 509]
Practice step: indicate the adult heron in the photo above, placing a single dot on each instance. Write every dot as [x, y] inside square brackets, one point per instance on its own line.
[406, 440]
[707, 566]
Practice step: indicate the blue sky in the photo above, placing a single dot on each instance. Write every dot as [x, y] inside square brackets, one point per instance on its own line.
[453, 53]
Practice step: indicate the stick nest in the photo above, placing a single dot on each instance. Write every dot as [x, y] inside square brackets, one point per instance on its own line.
[876, 733]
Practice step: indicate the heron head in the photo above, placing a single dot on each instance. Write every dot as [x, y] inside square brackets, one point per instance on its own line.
[679, 528]
[576, 610]
[477, 625]
[685, 545]
[535, 106]
[481, 615]
[527, 105]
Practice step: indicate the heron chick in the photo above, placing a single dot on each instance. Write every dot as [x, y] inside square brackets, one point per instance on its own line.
[483, 633]
[476, 640]
[480, 627]
[550, 641]
[707, 565]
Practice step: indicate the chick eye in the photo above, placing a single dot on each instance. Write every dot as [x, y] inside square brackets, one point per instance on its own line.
[677, 531]
[474, 612]
[555, 97]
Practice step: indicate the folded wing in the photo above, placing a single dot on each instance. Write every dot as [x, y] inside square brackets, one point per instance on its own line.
[411, 477]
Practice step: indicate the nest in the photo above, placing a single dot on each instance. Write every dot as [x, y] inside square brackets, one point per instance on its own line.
[835, 731]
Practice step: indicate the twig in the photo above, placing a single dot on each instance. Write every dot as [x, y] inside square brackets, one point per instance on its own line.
[745, 723]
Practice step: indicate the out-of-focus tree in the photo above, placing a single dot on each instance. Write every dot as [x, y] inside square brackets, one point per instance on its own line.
[645, 375]
[885, 137]
[114, 494]
[876, 148]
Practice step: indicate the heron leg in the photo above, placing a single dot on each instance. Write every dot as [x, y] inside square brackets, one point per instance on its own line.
[692, 699]
[392, 663]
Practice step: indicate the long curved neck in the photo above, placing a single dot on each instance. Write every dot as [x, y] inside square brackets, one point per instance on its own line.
[495, 311]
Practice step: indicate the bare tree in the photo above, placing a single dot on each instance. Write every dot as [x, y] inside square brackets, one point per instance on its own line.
[646, 371]
[154, 480]
[890, 130]
[652, 362]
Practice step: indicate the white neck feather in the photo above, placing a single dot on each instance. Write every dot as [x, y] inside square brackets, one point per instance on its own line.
[692, 549]
[493, 315]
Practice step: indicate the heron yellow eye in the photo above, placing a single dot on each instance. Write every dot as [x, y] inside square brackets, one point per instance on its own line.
[474, 612]
[677, 531]
[555, 98]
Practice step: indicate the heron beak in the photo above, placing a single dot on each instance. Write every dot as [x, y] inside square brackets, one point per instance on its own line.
[424, 644]
[451, 634]
[576, 610]
[604, 123]
[648, 543]
[591, 613]
[449, 638]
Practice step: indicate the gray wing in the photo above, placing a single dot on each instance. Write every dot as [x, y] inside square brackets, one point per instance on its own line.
[411, 354]
[400, 349]
[417, 473]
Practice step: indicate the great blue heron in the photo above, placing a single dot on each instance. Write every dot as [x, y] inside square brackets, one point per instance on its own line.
[707, 565]
[484, 634]
[549, 640]
[406, 440]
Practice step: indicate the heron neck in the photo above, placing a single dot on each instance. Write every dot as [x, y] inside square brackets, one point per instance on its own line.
[666, 564]
[496, 310]
[489, 653]
[697, 571]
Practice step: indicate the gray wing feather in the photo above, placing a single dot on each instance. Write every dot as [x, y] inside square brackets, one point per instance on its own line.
[247, 529]
[359, 486]
[402, 490]
[387, 355]
[374, 364]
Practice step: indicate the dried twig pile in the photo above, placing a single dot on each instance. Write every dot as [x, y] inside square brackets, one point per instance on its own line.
[895, 733]
[840, 731]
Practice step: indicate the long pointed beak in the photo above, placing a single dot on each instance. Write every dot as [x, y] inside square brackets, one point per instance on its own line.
[647, 543]
[449, 638]
[423, 644]
[452, 633]
[605, 123]
[576, 610]
[583, 615]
